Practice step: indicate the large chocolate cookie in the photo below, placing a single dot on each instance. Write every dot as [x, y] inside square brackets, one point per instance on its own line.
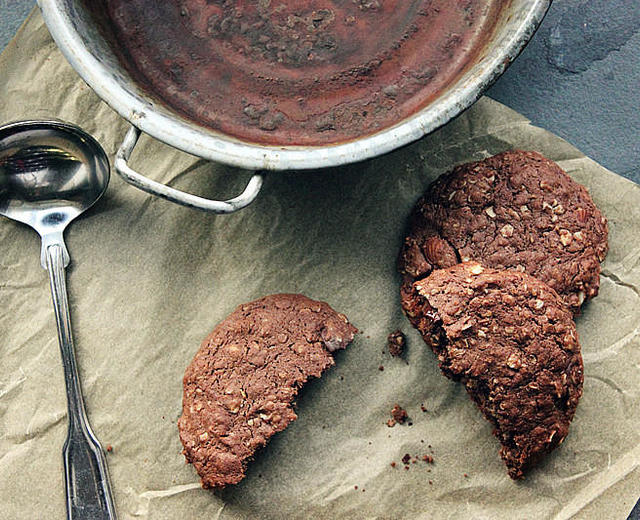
[516, 210]
[513, 343]
[239, 390]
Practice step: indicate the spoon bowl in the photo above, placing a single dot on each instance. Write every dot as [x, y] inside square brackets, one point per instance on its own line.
[50, 172]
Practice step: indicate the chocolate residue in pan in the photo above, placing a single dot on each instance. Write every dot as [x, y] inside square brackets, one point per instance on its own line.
[307, 72]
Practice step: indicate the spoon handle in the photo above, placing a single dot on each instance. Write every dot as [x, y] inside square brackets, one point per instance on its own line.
[86, 478]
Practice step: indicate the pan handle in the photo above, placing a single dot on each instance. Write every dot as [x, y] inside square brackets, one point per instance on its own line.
[180, 197]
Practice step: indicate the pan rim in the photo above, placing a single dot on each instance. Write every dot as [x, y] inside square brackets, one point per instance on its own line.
[187, 136]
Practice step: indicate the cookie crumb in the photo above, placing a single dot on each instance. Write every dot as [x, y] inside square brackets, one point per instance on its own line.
[381, 368]
[406, 458]
[391, 423]
[431, 482]
[428, 459]
[393, 464]
[109, 448]
[466, 476]
[355, 487]
[423, 408]
[396, 342]
[399, 414]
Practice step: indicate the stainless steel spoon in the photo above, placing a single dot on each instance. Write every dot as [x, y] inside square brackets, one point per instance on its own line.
[50, 172]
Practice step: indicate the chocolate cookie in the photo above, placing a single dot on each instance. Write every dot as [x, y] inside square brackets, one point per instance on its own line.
[239, 390]
[516, 210]
[512, 341]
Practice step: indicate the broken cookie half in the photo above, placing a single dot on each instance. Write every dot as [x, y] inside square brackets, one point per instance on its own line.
[510, 339]
[240, 388]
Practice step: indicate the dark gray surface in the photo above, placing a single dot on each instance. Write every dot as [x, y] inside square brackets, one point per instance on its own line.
[580, 77]
[12, 14]
[635, 514]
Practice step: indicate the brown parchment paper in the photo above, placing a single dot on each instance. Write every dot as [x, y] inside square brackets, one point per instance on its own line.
[150, 279]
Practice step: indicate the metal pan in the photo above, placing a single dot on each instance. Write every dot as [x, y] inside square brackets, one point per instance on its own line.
[92, 53]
